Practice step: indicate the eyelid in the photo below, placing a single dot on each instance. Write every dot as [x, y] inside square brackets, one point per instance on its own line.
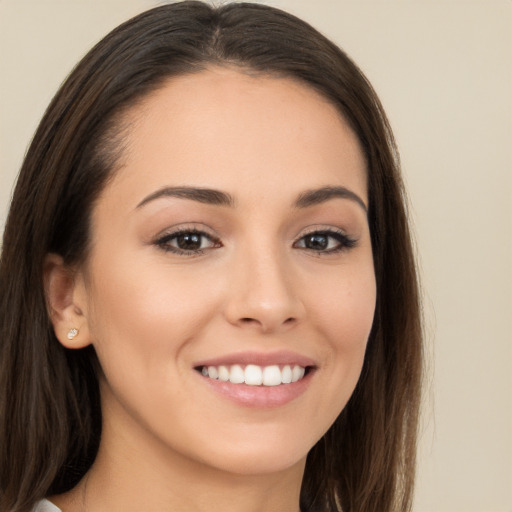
[346, 241]
[188, 227]
[165, 236]
[163, 240]
[322, 228]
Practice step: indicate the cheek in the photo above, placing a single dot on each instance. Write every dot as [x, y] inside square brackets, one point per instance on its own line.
[141, 326]
[143, 315]
[344, 315]
[345, 309]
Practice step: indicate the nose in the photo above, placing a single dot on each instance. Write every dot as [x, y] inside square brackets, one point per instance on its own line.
[263, 293]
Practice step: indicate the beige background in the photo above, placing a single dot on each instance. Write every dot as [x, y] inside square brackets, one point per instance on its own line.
[444, 73]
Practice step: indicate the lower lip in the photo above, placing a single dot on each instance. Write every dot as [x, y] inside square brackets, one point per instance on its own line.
[260, 396]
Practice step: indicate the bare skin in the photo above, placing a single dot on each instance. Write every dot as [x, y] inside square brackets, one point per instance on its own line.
[279, 268]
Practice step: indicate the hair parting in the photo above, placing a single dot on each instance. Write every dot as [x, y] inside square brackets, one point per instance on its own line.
[50, 415]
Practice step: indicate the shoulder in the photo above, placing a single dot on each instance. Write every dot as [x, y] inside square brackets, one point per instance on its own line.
[45, 506]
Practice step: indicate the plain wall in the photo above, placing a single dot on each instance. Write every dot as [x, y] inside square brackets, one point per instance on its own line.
[444, 73]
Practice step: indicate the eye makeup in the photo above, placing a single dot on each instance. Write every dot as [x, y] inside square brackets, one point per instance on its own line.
[187, 242]
[191, 241]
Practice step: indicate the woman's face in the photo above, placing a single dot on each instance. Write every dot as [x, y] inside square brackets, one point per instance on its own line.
[232, 245]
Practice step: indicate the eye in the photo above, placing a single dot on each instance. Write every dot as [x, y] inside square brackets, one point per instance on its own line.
[325, 241]
[187, 242]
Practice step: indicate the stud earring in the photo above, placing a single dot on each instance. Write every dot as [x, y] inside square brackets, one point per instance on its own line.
[72, 333]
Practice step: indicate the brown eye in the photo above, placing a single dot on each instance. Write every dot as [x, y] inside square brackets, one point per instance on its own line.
[188, 242]
[325, 242]
[316, 242]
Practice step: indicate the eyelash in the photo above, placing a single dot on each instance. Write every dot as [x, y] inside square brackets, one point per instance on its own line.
[164, 242]
[344, 242]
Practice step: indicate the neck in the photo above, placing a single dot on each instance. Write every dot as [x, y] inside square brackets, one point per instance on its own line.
[185, 491]
[134, 472]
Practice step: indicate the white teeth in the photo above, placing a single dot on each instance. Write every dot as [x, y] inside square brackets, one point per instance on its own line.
[297, 373]
[223, 373]
[254, 375]
[236, 375]
[272, 376]
[286, 375]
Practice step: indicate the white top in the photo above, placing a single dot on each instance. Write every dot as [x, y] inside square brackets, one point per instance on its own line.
[45, 506]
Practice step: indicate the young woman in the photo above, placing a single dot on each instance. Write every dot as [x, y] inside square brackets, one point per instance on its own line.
[208, 292]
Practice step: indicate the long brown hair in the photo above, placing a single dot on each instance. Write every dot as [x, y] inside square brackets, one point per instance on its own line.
[50, 418]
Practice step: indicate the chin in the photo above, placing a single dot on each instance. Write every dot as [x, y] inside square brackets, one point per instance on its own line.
[251, 465]
[250, 457]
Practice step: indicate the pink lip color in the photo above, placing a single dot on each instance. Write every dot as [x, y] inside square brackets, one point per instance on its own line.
[280, 358]
[259, 396]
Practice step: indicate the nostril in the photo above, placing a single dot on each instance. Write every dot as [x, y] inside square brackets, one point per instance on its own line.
[249, 321]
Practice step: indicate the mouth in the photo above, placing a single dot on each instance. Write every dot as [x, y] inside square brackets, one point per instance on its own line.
[258, 380]
[255, 375]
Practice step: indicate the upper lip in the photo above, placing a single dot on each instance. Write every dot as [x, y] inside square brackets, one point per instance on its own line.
[281, 358]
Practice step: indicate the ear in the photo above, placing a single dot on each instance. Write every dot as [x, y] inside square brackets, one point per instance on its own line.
[65, 291]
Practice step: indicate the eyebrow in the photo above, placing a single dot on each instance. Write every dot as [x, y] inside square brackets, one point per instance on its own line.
[201, 195]
[218, 198]
[321, 195]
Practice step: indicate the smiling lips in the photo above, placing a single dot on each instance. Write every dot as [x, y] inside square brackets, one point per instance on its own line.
[254, 375]
[254, 379]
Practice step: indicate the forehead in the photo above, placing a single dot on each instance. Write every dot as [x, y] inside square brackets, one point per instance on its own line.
[222, 128]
